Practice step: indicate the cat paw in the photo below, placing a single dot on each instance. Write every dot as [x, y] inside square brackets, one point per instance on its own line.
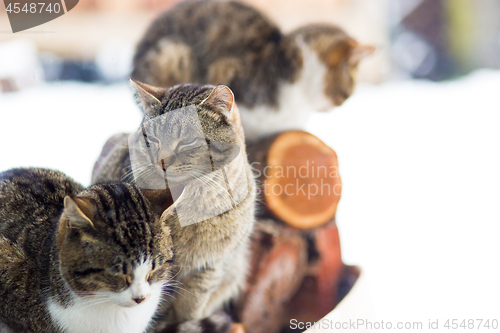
[219, 322]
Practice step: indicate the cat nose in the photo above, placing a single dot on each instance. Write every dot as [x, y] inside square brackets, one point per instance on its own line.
[141, 299]
[165, 160]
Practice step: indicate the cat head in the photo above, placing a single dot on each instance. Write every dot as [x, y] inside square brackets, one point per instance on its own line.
[188, 131]
[329, 50]
[114, 245]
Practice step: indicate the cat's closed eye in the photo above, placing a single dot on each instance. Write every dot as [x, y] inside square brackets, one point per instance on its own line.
[186, 144]
[89, 271]
[95, 248]
[153, 140]
[160, 260]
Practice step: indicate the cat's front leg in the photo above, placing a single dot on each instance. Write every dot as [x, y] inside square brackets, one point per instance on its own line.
[194, 293]
[232, 281]
[219, 322]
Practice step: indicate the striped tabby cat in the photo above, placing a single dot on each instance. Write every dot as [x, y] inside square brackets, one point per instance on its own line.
[75, 260]
[191, 140]
[278, 79]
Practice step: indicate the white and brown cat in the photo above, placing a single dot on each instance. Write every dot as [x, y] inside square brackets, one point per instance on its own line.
[278, 79]
[79, 260]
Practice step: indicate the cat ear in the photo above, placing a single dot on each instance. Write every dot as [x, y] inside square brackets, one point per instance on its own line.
[221, 97]
[350, 51]
[74, 209]
[359, 52]
[147, 96]
[340, 53]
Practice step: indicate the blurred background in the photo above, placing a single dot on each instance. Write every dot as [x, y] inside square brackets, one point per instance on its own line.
[431, 39]
[418, 142]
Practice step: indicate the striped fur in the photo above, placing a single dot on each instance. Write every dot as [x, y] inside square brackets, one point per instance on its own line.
[76, 260]
[231, 43]
[212, 254]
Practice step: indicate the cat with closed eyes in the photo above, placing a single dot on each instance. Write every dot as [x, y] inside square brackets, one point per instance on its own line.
[191, 142]
[79, 260]
[278, 79]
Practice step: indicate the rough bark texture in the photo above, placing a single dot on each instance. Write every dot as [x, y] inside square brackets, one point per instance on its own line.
[278, 265]
[295, 274]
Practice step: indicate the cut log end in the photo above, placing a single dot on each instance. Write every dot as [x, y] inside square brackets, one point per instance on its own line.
[237, 328]
[302, 184]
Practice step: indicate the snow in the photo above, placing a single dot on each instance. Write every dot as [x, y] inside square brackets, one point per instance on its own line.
[19, 62]
[420, 165]
[63, 126]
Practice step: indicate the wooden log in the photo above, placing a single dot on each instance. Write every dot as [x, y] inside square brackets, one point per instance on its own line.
[299, 180]
[328, 268]
[304, 307]
[278, 265]
[271, 300]
[319, 292]
[237, 328]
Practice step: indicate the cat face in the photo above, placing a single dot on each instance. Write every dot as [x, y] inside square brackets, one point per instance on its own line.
[113, 246]
[342, 62]
[190, 135]
[339, 55]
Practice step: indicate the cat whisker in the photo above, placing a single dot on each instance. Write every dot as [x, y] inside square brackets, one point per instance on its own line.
[183, 289]
[94, 303]
[137, 165]
[218, 188]
[143, 177]
[172, 278]
[139, 169]
[143, 174]
[162, 305]
[177, 284]
[213, 181]
[203, 177]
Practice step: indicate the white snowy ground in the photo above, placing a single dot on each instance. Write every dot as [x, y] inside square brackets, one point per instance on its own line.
[420, 207]
[420, 164]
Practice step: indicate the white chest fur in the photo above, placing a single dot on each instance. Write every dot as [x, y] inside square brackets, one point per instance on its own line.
[99, 315]
[296, 101]
[83, 317]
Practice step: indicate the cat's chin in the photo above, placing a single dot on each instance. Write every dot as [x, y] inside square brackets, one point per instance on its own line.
[128, 305]
[125, 304]
[116, 300]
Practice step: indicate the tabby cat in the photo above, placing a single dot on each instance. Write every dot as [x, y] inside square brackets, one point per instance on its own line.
[75, 260]
[278, 79]
[192, 142]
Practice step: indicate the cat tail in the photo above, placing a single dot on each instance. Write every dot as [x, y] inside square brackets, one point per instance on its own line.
[219, 322]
